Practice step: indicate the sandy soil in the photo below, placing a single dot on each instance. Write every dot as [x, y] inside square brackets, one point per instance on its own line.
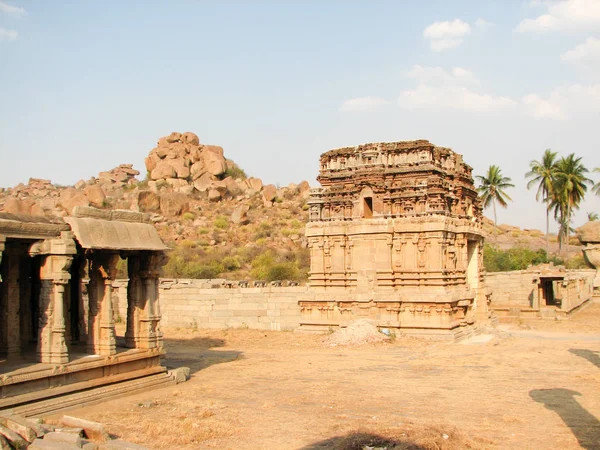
[257, 390]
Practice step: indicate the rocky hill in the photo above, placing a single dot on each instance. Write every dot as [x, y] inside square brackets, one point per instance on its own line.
[219, 221]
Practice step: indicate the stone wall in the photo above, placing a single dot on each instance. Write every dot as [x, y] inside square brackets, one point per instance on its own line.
[523, 292]
[195, 304]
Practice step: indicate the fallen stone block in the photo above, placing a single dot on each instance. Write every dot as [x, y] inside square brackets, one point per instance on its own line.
[27, 429]
[89, 446]
[4, 445]
[93, 430]
[118, 444]
[61, 436]
[43, 444]
[181, 374]
[14, 439]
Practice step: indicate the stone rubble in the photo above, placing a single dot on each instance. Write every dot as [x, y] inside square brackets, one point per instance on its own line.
[17, 433]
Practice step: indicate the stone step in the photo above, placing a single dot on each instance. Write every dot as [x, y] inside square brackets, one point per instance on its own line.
[94, 396]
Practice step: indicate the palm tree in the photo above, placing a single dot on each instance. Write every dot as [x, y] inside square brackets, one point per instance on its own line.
[543, 173]
[569, 190]
[596, 187]
[492, 189]
[592, 216]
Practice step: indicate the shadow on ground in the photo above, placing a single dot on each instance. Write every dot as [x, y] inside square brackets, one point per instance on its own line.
[590, 355]
[584, 425]
[197, 353]
[360, 441]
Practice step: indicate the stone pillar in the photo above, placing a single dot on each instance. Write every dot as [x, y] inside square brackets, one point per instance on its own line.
[150, 335]
[10, 316]
[57, 257]
[134, 300]
[101, 336]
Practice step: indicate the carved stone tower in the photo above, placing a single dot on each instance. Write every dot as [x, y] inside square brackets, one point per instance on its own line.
[395, 236]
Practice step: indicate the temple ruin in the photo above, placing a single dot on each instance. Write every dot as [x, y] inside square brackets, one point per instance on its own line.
[57, 329]
[395, 235]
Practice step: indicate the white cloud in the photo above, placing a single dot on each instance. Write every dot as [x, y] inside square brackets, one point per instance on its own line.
[8, 35]
[564, 15]
[452, 97]
[585, 54]
[539, 108]
[9, 9]
[363, 104]
[483, 24]
[564, 102]
[437, 76]
[446, 35]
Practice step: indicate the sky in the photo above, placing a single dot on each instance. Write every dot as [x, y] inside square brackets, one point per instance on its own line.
[86, 86]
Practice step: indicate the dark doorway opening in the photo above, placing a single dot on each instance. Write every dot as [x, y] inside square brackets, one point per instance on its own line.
[368, 208]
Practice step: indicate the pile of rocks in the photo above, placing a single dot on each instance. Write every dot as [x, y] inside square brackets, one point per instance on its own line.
[17, 433]
[119, 177]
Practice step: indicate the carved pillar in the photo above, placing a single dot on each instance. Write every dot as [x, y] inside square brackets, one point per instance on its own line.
[134, 300]
[101, 339]
[150, 335]
[57, 257]
[12, 302]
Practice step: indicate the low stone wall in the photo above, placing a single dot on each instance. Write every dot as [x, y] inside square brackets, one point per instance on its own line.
[521, 291]
[214, 304]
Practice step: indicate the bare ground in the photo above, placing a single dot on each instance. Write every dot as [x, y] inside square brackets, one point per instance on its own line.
[256, 390]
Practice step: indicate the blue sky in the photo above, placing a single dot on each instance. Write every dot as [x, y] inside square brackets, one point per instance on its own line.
[85, 86]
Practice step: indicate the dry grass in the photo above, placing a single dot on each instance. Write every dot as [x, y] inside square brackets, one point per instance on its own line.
[254, 390]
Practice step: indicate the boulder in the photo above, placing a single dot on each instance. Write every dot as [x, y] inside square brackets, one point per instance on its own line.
[148, 201]
[70, 198]
[197, 170]
[190, 138]
[181, 168]
[14, 205]
[589, 233]
[214, 162]
[303, 187]
[269, 193]
[173, 137]
[203, 183]
[255, 184]
[214, 195]
[163, 170]
[151, 161]
[173, 204]
[240, 215]
[95, 195]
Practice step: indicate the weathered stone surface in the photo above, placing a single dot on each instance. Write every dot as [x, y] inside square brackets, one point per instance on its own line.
[15, 206]
[589, 233]
[95, 195]
[255, 184]
[27, 429]
[214, 162]
[70, 198]
[303, 187]
[43, 444]
[240, 215]
[93, 430]
[173, 204]
[89, 446]
[163, 170]
[148, 201]
[190, 138]
[181, 374]
[269, 192]
[173, 137]
[69, 438]
[214, 195]
[14, 438]
[4, 445]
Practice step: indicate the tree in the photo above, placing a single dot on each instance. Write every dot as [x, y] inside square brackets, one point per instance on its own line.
[592, 216]
[492, 189]
[569, 190]
[543, 173]
[596, 187]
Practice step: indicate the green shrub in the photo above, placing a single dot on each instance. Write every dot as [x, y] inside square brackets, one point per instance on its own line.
[221, 222]
[516, 258]
[235, 172]
[577, 262]
[188, 216]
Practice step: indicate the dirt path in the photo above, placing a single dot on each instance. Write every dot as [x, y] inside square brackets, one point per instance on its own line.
[256, 390]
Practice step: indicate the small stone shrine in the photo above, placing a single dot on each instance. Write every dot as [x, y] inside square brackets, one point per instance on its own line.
[395, 236]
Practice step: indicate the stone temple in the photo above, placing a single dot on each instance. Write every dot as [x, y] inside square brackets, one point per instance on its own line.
[395, 235]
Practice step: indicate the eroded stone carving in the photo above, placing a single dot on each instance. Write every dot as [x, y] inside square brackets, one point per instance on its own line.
[395, 235]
